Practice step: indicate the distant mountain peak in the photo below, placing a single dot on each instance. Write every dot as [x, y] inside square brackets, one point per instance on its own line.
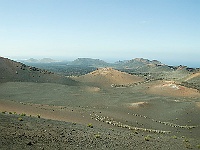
[141, 60]
[147, 61]
[43, 60]
[89, 62]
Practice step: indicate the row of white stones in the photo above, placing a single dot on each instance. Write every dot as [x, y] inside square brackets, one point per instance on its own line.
[167, 123]
[111, 121]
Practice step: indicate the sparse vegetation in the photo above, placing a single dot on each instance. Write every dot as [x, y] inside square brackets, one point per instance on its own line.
[3, 112]
[135, 132]
[97, 135]
[90, 125]
[147, 138]
[185, 140]
[174, 137]
[191, 85]
[188, 145]
[23, 114]
[20, 119]
[198, 146]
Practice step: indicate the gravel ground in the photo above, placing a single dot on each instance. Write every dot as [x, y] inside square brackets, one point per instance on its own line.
[38, 133]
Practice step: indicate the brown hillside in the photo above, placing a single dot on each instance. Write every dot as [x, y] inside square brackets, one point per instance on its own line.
[12, 71]
[195, 75]
[170, 88]
[108, 76]
[8, 69]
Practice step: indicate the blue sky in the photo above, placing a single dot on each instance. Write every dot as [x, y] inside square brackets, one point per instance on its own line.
[166, 30]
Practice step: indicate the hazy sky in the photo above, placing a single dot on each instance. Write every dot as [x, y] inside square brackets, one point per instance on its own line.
[166, 30]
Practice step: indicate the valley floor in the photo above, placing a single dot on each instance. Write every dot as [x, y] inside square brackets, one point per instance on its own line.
[54, 116]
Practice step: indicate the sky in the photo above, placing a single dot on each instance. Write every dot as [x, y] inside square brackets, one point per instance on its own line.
[165, 30]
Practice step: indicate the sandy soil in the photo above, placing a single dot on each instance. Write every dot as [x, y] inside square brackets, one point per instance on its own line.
[46, 111]
[198, 104]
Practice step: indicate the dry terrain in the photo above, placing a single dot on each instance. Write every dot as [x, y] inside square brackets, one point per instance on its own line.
[86, 112]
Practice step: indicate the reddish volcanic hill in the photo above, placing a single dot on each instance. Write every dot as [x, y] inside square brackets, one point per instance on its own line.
[108, 76]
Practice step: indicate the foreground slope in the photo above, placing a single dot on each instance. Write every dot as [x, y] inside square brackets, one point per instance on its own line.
[37, 133]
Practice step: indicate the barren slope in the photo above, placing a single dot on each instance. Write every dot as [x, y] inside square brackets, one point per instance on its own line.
[108, 76]
[12, 71]
[195, 75]
[170, 88]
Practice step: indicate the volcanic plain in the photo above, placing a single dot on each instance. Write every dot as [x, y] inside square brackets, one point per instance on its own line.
[151, 106]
